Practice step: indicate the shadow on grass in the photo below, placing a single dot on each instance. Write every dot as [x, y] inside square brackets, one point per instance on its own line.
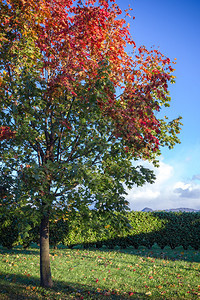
[20, 287]
[17, 286]
[177, 254]
[21, 251]
[154, 251]
[166, 254]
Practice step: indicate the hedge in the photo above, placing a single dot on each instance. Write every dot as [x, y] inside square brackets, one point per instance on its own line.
[164, 228]
[145, 228]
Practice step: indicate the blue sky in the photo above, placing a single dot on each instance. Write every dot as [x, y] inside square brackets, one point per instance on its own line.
[174, 27]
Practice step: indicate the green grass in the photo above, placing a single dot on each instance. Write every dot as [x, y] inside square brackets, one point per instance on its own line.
[102, 274]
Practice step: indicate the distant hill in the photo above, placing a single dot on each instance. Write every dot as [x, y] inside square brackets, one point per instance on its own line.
[147, 209]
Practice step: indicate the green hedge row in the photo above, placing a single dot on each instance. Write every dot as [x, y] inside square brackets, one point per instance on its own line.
[164, 228]
[145, 229]
[14, 232]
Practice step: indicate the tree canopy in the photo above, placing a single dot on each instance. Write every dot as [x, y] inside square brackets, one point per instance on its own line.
[77, 107]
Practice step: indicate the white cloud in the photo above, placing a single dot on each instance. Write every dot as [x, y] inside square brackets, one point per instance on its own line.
[163, 173]
[167, 191]
[181, 185]
[142, 192]
[190, 190]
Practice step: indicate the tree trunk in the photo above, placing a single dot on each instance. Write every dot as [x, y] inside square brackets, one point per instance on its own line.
[45, 270]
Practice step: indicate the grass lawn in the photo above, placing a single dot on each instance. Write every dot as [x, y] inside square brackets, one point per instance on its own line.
[102, 274]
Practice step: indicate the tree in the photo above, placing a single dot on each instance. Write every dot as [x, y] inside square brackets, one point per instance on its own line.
[62, 63]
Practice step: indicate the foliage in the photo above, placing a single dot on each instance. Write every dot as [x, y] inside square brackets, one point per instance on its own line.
[59, 76]
[5, 133]
[17, 229]
[58, 231]
[73, 138]
[18, 219]
[145, 229]
[163, 228]
[8, 232]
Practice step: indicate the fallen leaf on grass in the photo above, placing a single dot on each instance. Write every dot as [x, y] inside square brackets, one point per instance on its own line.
[148, 293]
[159, 287]
[107, 293]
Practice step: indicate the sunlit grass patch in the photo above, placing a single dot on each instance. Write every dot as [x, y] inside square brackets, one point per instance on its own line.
[99, 274]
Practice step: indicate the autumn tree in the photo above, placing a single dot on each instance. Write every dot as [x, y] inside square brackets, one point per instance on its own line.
[81, 108]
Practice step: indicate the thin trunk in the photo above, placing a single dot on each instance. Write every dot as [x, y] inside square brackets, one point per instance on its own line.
[45, 270]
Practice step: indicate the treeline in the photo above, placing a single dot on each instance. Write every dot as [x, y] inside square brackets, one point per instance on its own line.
[133, 229]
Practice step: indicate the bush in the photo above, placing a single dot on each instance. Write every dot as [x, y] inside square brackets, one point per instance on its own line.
[9, 236]
[134, 229]
[164, 228]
